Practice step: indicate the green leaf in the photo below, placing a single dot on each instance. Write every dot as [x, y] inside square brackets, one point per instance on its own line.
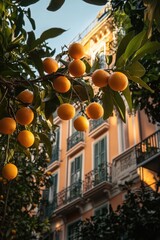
[54, 5]
[50, 33]
[19, 23]
[45, 139]
[136, 69]
[120, 106]
[124, 42]
[31, 39]
[148, 47]
[139, 81]
[96, 2]
[134, 45]
[107, 102]
[26, 3]
[128, 98]
[37, 62]
[27, 69]
[51, 106]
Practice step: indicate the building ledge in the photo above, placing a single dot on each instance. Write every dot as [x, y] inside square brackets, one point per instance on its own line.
[99, 129]
[54, 165]
[77, 148]
[98, 191]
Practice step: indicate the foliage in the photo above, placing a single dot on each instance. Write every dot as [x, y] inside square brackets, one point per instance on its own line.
[134, 13]
[137, 218]
[21, 67]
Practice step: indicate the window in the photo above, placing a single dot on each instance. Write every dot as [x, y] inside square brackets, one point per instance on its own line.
[75, 178]
[76, 169]
[53, 189]
[50, 197]
[55, 148]
[100, 161]
[103, 210]
[100, 152]
[72, 231]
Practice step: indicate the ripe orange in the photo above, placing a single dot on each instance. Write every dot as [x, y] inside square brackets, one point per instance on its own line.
[94, 110]
[24, 116]
[13, 232]
[7, 125]
[81, 123]
[77, 68]
[76, 50]
[25, 96]
[50, 65]
[61, 84]
[100, 78]
[66, 111]
[118, 81]
[9, 171]
[26, 138]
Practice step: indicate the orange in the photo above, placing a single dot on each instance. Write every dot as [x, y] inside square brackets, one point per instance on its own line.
[50, 65]
[81, 123]
[94, 110]
[100, 78]
[25, 96]
[24, 116]
[26, 138]
[9, 171]
[61, 84]
[118, 81]
[13, 232]
[7, 125]
[77, 68]
[66, 111]
[76, 50]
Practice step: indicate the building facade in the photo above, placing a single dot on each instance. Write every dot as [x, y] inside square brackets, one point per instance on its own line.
[89, 168]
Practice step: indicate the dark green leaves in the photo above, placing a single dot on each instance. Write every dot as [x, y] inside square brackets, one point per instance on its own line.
[107, 103]
[114, 100]
[55, 5]
[96, 2]
[50, 33]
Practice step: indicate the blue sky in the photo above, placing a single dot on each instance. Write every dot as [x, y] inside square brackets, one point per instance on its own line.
[74, 16]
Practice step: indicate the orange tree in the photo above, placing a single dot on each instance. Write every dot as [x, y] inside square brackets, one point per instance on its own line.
[29, 73]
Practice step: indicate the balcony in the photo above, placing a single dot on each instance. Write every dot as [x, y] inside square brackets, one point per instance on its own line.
[97, 181]
[148, 152]
[124, 167]
[64, 200]
[76, 140]
[97, 127]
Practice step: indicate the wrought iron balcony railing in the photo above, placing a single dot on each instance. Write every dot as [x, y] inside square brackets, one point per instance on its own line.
[75, 138]
[95, 123]
[97, 176]
[64, 197]
[148, 149]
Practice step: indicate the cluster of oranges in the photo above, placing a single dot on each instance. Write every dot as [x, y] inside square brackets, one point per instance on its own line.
[24, 116]
[117, 81]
